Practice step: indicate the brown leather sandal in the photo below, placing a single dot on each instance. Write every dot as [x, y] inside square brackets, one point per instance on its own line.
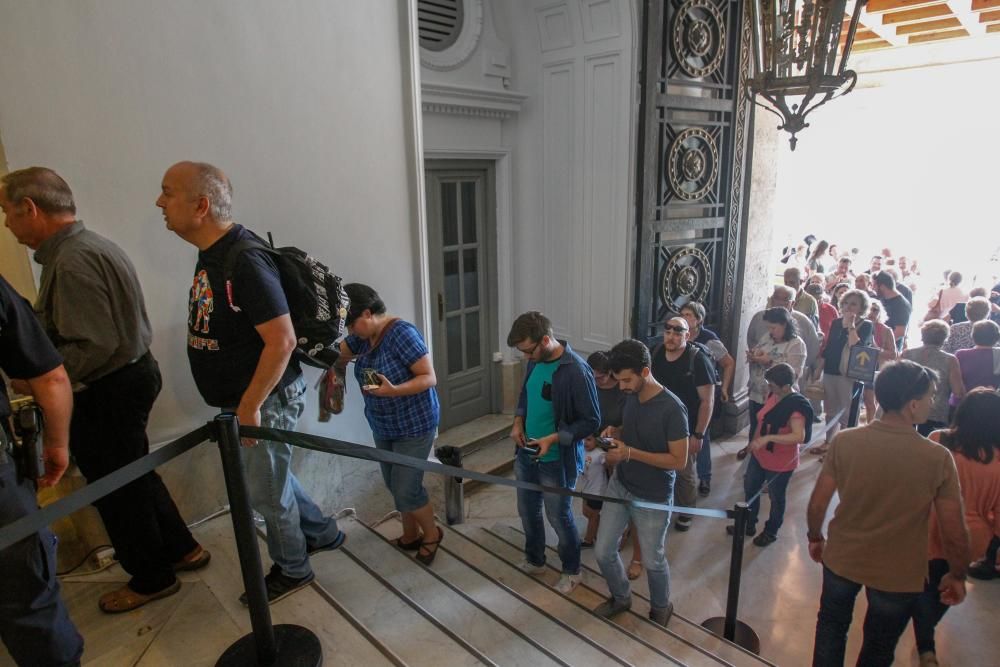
[195, 560]
[125, 599]
[408, 546]
[428, 558]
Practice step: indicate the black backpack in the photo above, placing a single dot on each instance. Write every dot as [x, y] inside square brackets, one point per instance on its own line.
[317, 301]
[700, 349]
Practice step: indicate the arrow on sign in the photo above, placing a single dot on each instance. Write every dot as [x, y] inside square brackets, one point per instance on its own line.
[863, 358]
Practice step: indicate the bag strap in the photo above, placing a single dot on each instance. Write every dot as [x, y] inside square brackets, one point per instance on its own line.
[232, 255]
[382, 334]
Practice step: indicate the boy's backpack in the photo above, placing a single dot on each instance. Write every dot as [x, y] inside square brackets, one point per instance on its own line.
[317, 301]
[700, 349]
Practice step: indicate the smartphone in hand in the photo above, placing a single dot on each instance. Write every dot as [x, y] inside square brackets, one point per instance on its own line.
[606, 443]
[531, 446]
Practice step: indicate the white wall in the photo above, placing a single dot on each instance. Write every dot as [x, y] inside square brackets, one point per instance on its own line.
[565, 246]
[574, 182]
[308, 105]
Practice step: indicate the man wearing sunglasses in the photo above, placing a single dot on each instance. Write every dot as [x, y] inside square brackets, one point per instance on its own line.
[556, 410]
[687, 371]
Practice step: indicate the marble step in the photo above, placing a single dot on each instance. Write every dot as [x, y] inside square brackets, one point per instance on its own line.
[345, 642]
[388, 618]
[681, 626]
[634, 623]
[532, 608]
[438, 590]
[472, 436]
[496, 458]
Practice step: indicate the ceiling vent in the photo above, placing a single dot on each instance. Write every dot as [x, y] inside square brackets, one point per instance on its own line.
[439, 23]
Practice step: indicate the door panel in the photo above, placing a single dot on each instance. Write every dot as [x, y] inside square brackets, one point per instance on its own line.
[458, 223]
[694, 157]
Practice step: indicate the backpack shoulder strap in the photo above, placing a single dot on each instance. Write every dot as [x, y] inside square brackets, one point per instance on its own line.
[229, 263]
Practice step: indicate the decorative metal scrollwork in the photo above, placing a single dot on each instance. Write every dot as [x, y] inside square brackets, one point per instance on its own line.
[693, 164]
[699, 38]
[686, 277]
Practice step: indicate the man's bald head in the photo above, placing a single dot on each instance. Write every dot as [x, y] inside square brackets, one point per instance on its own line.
[201, 179]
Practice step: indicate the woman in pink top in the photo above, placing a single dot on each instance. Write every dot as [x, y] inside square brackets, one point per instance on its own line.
[950, 295]
[783, 423]
[974, 440]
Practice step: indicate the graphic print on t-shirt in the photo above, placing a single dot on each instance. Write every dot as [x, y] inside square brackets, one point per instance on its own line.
[202, 303]
[201, 306]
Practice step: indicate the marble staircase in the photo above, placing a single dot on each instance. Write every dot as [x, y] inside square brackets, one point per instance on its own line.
[484, 609]
[485, 446]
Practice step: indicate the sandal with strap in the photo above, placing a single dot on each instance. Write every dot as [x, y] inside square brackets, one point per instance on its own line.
[125, 599]
[634, 569]
[428, 558]
[196, 559]
[408, 546]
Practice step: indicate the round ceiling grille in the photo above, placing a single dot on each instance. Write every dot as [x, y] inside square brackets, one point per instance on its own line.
[439, 23]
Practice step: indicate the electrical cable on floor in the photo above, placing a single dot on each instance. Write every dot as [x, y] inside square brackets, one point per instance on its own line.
[85, 559]
[222, 511]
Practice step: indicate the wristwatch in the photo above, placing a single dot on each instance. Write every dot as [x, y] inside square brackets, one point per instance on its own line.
[700, 436]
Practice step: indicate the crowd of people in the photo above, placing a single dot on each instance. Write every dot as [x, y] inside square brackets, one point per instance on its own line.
[629, 425]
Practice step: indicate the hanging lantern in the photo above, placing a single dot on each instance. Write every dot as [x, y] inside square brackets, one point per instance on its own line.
[799, 63]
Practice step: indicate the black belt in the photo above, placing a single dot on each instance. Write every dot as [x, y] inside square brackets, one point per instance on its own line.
[114, 373]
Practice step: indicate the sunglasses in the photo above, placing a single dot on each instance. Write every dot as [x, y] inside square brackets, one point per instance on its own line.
[674, 328]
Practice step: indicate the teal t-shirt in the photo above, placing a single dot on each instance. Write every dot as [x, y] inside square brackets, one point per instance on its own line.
[541, 419]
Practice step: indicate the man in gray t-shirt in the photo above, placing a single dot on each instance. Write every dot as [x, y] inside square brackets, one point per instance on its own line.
[647, 450]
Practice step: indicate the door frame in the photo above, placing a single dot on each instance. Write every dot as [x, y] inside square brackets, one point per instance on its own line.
[491, 264]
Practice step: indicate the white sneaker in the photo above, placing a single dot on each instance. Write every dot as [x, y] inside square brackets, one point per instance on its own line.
[530, 568]
[567, 582]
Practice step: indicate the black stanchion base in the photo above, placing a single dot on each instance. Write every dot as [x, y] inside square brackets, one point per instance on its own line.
[745, 636]
[297, 647]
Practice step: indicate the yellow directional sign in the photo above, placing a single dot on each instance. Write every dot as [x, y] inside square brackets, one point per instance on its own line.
[862, 362]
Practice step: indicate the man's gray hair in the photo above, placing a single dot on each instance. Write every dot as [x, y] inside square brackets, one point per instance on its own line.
[784, 289]
[41, 185]
[211, 182]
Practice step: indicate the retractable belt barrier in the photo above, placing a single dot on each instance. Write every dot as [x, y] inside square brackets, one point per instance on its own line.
[16, 531]
[263, 644]
[333, 446]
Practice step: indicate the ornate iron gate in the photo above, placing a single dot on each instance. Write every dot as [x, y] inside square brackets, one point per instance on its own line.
[694, 161]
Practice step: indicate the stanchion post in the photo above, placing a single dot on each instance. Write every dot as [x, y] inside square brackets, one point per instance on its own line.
[856, 394]
[732, 628]
[266, 645]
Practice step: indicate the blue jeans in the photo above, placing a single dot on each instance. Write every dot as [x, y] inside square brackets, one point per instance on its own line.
[651, 527]
[887, 617]
[406, 484]
[777, 485]
[34, 623]
[558, 510]
[704, 460]
[294, 522]
[929, 609]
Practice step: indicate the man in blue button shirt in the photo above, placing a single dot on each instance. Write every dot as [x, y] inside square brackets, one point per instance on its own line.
[556, 410]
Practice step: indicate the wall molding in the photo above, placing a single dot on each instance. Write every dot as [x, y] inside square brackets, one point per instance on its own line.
[466, 101]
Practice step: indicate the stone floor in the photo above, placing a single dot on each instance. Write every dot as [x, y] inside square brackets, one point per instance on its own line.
[781, 584]
[779, 599]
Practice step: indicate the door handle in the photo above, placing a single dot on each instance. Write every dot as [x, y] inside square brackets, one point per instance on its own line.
[440, 307]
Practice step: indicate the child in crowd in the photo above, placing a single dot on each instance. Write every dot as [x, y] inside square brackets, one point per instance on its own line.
[594, 479]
